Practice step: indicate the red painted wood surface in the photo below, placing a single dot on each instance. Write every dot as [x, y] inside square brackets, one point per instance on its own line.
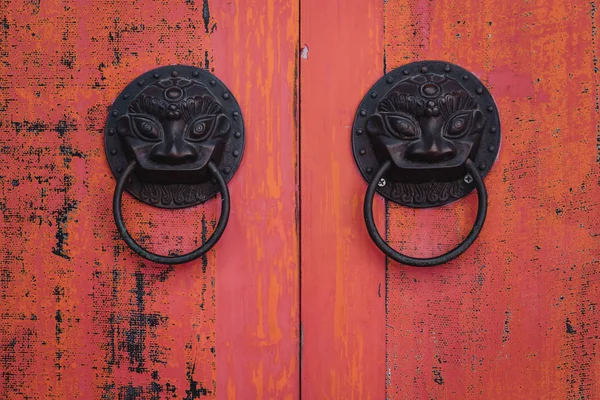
[516, 316]
[343, 277]
[84, 317]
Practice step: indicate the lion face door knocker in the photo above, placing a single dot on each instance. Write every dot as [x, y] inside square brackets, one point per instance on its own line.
[425, 135]
[174, 138]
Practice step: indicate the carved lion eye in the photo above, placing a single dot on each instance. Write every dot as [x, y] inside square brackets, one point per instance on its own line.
[459, 125]
[402, 127]
[146, 128]
[201, 128]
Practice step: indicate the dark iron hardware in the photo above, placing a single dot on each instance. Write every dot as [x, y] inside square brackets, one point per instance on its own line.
[425, 135]
[174, 138]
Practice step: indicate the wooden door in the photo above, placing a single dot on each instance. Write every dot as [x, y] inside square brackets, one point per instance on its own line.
[83, 317]
[516, 316]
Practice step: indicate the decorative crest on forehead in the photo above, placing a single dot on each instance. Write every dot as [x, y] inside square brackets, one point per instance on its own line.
[435, 95]
[181, 98]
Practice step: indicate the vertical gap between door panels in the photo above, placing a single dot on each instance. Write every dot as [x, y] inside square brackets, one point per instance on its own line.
[298, 194]
[387, 259]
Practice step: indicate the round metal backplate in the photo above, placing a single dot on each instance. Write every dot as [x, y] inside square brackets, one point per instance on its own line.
[175, 195]
[432, 193]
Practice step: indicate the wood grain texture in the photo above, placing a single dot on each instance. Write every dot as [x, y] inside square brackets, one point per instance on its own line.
[516, 316]
[342, 280]
[258, 337]
[84, 317]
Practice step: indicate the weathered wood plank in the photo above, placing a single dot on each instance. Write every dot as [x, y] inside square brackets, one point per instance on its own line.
[84, 317]
[343, 273]
[516, 315]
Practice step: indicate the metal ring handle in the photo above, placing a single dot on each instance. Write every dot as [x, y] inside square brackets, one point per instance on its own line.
[225, 206]
[425, 262]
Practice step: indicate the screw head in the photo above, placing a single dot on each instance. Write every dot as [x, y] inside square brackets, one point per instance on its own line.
[468, 178]
[490, 108]
[227, 170]
[491, 148]
[362, 152]
[141, 82]
[363, 113]
[465, 77]
[359, 132]
[389, 79]
[174, 73]
[156, 75]
[447, 68]
[111, 132]
[125, 96]
[226, 96]
[493, 129]
[406, 72]
[482, 166]
[381, 182]
[113, 152]
[237, 134]
[479, 90]
[115, 113]
[236, 114]
[195, 73]
[423, 69]
[236, 153]
[213, 82]
[373, 95]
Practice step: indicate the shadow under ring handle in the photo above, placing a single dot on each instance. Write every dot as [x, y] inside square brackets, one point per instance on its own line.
[225, 207]
[425, 262]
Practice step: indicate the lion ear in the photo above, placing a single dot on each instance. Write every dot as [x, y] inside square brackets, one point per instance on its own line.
[223, 125]
[375, 125]
[123, 126]
[479, 119]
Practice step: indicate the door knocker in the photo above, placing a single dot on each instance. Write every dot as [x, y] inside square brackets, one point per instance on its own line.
[174, 138]
[425, 135]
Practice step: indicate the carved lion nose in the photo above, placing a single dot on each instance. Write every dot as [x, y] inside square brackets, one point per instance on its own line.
[431, 151]
[174, 154]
